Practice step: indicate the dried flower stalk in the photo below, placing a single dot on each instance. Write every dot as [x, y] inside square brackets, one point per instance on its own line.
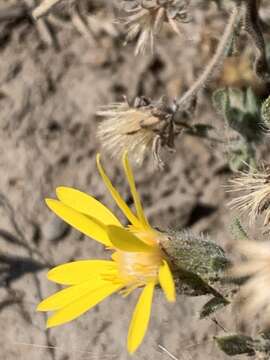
[215, 62]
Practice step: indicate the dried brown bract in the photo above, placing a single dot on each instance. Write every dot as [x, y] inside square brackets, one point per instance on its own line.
[146, 17]
[143, 127]
[254, 194]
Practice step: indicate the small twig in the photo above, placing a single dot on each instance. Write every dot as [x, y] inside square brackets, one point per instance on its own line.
[82, 27]
[45, 33]
[44, 8]
[167, 352]
[215, 62]
[75, 351]
[42, 26]
[216, 322]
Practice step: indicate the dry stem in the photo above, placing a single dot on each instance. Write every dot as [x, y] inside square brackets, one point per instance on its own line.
[43, 8]
[215, 62]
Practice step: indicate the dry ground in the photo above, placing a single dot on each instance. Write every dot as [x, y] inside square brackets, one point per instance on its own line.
[48, 99]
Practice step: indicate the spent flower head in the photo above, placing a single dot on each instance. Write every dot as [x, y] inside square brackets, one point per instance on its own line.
[256, 267]
[146, 17]
[141, 128]
[254, 194]
[137, 260]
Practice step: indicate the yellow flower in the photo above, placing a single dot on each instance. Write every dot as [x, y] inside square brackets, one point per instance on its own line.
[137, 259]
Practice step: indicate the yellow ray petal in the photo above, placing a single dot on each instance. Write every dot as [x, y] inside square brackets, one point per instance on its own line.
[66, 296]
[81, 305]
[140, 318]
[116, 196]
[77, 272]
[166, 281]
[124, 240]
[86, 204]
[135, 195]
[90, 227]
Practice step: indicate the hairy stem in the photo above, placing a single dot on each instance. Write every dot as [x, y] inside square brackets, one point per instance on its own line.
[251, 23]
[215, 62]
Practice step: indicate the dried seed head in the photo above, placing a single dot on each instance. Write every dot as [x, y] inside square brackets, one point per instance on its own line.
[146, 17]
[140, 129]
[256, 266]
[254, 198]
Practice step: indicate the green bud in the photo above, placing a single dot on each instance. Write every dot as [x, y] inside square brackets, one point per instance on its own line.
[196, 262]
[195, 254]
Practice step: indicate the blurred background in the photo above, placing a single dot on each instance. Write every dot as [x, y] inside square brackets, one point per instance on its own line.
[54, 76]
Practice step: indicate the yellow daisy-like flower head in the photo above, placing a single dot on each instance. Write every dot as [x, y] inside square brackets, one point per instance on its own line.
[137, 259]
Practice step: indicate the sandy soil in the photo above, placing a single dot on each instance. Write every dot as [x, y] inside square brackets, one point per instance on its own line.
[49, 96]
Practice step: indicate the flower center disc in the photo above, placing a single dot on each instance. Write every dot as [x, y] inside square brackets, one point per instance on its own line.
[138, 267]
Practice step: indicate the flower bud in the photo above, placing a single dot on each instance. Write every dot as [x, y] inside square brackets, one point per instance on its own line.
[196, 261]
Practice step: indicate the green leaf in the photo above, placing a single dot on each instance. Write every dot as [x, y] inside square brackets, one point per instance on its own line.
[265, 111]
[241, 110]
[235, 344]
[220, 100]
[252, 103]
[242, 156]
[237, 230]
[212, 306]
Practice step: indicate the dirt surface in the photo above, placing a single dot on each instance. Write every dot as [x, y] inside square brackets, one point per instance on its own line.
[49, 95]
